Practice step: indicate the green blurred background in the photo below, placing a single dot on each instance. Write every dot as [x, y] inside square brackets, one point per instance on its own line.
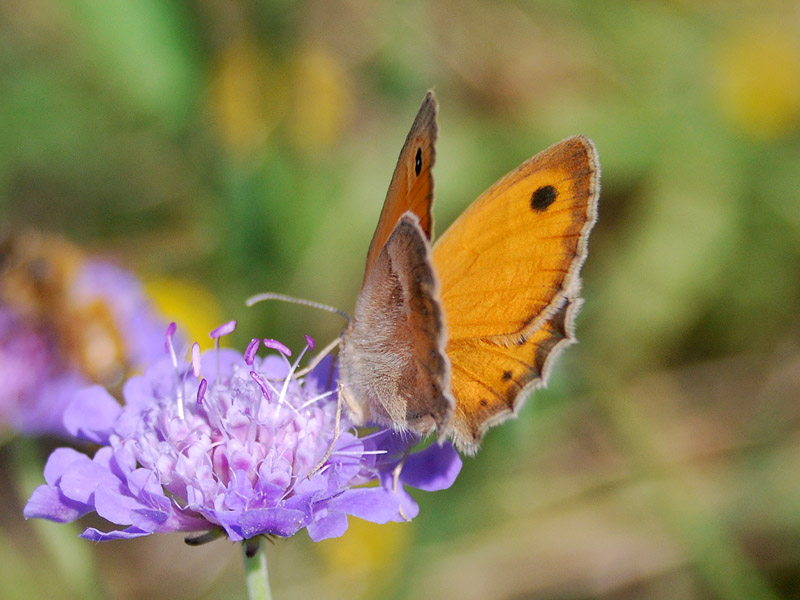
[222, 148]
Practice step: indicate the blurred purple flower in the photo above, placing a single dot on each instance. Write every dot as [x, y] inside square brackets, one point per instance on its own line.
[239, 456]
[46, 358]
[133, 314]
[35, 385]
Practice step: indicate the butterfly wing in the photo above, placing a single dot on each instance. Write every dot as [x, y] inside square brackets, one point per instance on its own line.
[509, 269]
[392, 359]
[411, 188]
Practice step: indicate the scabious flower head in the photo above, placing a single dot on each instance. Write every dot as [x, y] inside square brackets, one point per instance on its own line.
[65, 321]
[234, 443]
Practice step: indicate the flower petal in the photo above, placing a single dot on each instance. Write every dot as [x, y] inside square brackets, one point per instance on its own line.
[432, 469]
[44, 412]
[218, 363]
[47, 502]
[95, 535]
[325, 372]
[58, 462]
[277, 521]
[150, 520]
[273, 367]
[371, 504]
[83, 478]
[282, 522]
[114, 506]
[91, 414]
[332, 526]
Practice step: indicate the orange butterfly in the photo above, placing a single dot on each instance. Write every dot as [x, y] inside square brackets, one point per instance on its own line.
[455, 336]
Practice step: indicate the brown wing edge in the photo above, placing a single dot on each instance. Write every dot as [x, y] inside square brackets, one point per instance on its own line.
[429, 301]
[560, 313]
[467, 438]
[426, 118]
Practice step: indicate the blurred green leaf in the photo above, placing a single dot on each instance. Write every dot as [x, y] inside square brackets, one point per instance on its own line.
[145, 50]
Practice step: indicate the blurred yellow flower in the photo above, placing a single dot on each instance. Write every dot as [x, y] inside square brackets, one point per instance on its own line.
[758, 78]
[320, 93]
[366, 555]
[189, 304]
[246, 97]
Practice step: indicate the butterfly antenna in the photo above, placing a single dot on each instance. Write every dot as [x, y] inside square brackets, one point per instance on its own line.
[284, 298]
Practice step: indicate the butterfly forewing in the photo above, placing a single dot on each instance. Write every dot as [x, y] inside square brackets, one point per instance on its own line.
[411, 188]
[509, 275]
[512, 255]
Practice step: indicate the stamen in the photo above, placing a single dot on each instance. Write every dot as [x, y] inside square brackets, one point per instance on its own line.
[224, 329]
[250, 353]
[170, 334]
[279, 346]
[292, 408]
[178, 385]
[310, 342]
[318, 358]
[261, 383]
[326, 467]
[289, 376]
[196, 359]
[201, 390]
[316, 399]
[370, 436]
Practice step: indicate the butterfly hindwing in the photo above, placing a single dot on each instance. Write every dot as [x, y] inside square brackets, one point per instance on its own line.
[489, 379]
[509, 269]
[392, 355]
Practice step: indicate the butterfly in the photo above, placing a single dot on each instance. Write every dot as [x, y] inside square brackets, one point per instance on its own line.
[454, 336]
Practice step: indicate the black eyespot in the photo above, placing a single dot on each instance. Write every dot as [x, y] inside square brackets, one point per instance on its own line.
[418, 162]
[484, 402]
[543, 197]
[507, 375]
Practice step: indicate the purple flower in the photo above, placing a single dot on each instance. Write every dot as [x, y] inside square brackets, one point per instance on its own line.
[64, 327]
[35, 383]
[236, 449]
[139, 326]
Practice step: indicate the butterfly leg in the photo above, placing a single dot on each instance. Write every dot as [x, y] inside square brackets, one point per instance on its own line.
[335, 439]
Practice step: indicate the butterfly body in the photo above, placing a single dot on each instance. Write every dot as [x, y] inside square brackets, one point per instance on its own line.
[393, 360]
[455, 336]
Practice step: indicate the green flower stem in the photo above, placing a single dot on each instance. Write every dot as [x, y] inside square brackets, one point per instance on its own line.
[255, 567]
